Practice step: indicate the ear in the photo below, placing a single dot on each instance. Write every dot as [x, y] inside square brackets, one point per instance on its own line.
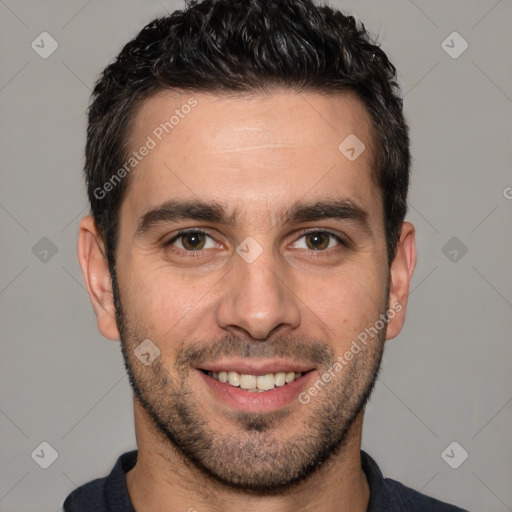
[93, 260]
[402, 268]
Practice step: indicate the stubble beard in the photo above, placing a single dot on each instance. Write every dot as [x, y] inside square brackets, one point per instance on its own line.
[258, 458]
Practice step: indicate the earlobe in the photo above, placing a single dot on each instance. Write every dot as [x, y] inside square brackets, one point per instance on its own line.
[401, 272]
[93, 261]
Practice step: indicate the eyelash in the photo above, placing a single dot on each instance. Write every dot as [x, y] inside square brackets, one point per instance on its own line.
[198, 253]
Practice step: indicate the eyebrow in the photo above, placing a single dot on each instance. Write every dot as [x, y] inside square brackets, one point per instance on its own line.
[211, 211]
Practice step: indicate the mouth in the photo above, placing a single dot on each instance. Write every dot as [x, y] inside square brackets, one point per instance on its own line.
[254, 383]
[256, 388]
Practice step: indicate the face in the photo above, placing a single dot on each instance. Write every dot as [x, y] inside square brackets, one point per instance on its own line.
[252, 255]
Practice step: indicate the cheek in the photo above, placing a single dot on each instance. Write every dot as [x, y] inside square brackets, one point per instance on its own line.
[346, 303]
[146, 297]
[161, 305]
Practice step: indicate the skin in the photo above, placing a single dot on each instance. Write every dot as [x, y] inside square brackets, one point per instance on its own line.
[256, 156]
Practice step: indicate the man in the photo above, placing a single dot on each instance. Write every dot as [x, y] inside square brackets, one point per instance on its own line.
[247, 166]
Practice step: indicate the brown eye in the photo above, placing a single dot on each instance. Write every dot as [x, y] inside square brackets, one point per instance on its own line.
[193, 241]
[317, 240]
[320, 241]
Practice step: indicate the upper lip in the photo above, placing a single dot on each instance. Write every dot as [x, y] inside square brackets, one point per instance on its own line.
[256, 366]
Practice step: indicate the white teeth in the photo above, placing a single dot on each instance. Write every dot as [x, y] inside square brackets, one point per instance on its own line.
[233, 378]
[247, 381]
[280, 379]
[255, 383]
[265, 381]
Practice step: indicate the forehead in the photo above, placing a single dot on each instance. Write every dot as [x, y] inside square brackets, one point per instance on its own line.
[253, 153]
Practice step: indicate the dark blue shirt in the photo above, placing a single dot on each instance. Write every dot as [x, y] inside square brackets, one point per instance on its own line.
[110, 494]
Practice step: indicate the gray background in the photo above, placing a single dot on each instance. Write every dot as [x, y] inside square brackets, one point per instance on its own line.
[446, 378]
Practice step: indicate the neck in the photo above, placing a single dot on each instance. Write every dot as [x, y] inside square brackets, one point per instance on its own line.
[162, 480]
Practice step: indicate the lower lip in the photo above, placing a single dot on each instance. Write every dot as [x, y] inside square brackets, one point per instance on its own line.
[248, 401]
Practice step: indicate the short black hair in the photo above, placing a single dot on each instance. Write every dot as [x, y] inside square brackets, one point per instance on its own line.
[246, 46]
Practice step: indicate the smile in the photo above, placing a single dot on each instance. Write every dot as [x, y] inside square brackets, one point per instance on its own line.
[254, 383]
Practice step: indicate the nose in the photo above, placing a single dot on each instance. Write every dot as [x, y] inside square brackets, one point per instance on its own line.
[257, 299]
